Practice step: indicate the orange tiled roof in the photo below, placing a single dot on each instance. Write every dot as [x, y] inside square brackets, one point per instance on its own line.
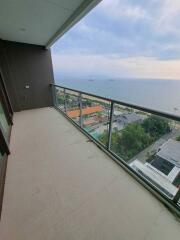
[85, 111]
[89, 122]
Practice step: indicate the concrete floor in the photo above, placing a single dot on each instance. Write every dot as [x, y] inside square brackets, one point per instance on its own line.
[60, 186]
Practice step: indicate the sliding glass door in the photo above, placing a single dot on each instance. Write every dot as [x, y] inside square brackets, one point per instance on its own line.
[3, 120]
[6, 114]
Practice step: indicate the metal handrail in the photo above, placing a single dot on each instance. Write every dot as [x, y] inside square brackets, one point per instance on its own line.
[138, 107]
[107, 147]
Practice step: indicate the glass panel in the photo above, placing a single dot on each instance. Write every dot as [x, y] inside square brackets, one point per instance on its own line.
[1, 158]
[150, 145]
[95, 115]
[60, 98]
[2, 171]
[3, 120]
[72, 101]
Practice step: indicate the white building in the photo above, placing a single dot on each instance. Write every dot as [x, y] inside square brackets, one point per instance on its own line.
[167, 160]
[156, 179]
[164, 170]
[170, 151]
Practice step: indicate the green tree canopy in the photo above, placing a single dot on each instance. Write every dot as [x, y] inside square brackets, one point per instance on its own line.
[133, 139]
[156, 126]
[128, 142]
[178, 138]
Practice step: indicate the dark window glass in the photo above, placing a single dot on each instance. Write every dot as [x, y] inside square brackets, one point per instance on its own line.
[162, 165]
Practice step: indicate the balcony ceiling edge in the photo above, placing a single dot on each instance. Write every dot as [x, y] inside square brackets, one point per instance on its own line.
[77, 15]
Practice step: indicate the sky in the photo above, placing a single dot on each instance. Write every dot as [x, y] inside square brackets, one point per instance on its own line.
[122, 39]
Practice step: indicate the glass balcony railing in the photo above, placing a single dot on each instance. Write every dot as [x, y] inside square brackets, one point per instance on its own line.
[95, 117]
[3, 120]
[144, 141]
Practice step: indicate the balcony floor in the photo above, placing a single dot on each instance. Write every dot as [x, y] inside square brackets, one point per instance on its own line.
[61, 186]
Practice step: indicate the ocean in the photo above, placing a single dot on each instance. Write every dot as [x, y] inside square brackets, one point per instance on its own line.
[157, 94]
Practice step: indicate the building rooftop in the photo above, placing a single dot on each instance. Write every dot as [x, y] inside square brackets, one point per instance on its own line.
[170, 151]
[59, 185]
[130, 117]
[158, 180]
[85, 111]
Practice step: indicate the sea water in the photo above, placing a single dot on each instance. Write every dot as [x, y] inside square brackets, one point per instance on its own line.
[157, 94]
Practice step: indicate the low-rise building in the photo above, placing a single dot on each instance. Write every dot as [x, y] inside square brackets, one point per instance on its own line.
[167, 161]
[152, 176]
[164, 170]
[127, 118]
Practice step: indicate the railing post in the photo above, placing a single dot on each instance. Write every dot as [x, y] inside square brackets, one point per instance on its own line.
[110, 125]
[54, 95]
[80, 107]
[65, 103]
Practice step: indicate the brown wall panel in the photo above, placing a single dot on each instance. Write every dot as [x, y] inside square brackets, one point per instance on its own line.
[27, 72]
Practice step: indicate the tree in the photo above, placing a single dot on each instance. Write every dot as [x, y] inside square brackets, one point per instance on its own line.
[87, 102]
[115, 138]
[178, 138]
[103, 138]
[135, 137]
[128, 142]
[133, 140]
[156, 126]
[61, 99]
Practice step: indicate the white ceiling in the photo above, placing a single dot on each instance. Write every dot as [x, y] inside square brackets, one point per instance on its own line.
[40, 22]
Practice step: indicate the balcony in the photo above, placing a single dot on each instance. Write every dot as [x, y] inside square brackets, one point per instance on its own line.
[145, 142]
[61, 185]
[79, 166]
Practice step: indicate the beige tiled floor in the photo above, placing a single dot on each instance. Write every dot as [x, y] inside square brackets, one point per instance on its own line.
[60, 186]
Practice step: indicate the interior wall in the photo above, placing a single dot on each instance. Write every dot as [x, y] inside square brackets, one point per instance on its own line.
[27, 72]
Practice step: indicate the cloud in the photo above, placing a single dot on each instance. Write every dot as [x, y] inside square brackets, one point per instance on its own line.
[129, 38]
[167, 18]
[120, 8]
[153, 68]
[113, 66]
[88, 65]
